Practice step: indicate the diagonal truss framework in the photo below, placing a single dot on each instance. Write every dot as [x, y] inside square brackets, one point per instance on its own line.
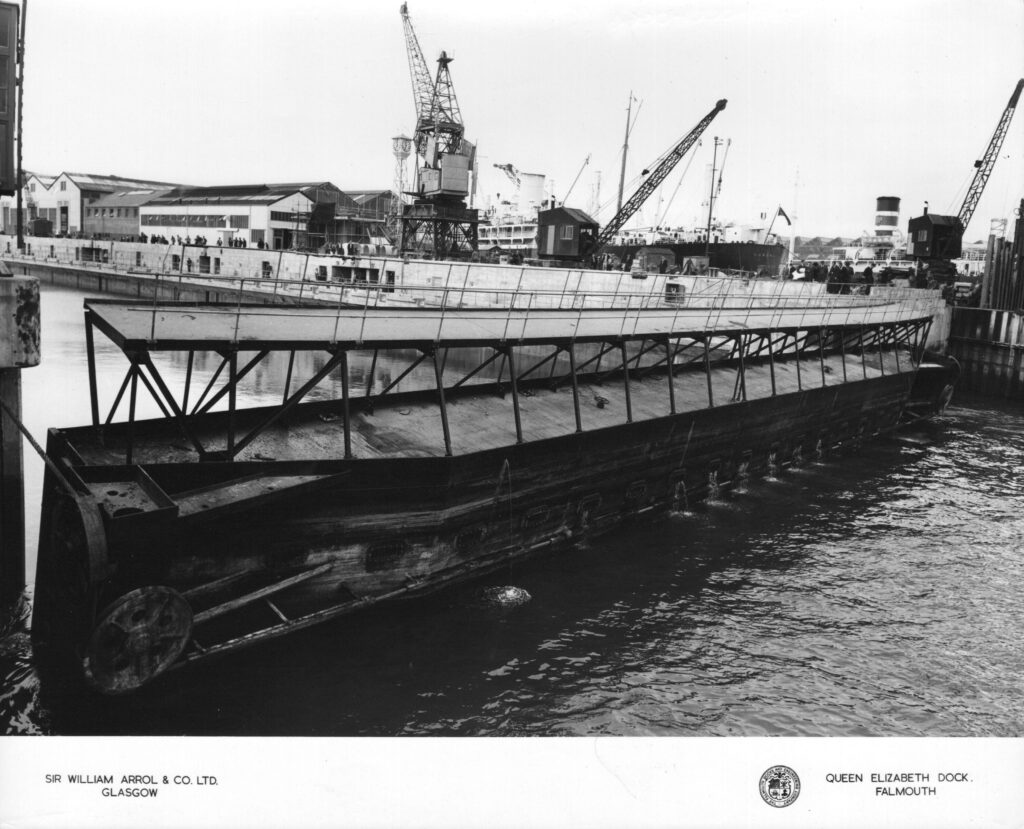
[627, 358]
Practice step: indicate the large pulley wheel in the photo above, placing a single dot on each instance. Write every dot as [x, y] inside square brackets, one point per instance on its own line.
[138, 637]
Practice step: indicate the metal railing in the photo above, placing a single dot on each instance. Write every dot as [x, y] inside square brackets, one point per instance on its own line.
[512, 310]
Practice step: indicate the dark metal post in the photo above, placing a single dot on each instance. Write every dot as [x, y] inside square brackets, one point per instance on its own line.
[346, 413]
[707, 372]
[625, 380]
[821, 354]
[134, 371]
[669, 357]
[741, 347]
[863, 356]
[91, 357]
[288, 375]
[515, 393]
[771, 361]
[444, 408]
[232, 379]
[796, 353]
[188, 381]
[575, 389]
[119, 395]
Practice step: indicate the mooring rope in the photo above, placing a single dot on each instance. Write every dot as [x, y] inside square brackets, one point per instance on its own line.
[50, 463]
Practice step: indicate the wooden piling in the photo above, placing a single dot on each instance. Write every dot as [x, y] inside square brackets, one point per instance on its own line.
[19, 348]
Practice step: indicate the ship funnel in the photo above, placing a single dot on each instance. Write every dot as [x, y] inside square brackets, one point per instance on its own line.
[887, 215]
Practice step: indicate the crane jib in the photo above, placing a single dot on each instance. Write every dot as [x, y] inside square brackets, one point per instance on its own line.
[652, 181]
[988, 161]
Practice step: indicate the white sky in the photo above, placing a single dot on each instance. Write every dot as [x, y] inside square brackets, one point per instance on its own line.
[853, 100]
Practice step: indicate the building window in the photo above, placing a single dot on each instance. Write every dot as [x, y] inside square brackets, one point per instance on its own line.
[239, 222]
[567, 233]
[256, 236]
[63, 186]
[922, 235]
[32, 187]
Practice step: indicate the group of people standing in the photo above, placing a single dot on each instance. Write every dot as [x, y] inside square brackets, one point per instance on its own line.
[841, 278]
[234, 242]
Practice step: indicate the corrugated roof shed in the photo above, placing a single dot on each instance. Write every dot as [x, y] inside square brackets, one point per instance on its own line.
[253, 193]
[129, 198]
[91, 181]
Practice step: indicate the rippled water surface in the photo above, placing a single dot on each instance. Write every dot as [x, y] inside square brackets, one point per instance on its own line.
[875, 594]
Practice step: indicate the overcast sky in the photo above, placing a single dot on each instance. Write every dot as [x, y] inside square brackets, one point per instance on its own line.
[830, 104]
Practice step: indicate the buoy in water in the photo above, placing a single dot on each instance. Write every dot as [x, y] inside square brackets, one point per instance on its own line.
[507, 596]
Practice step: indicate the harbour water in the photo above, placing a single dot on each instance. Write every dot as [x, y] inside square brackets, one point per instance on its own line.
[874, 594]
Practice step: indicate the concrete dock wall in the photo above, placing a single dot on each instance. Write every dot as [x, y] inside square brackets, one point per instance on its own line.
[989, 344]
[219, 274]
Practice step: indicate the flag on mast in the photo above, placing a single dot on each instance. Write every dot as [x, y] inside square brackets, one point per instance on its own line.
[784, 216]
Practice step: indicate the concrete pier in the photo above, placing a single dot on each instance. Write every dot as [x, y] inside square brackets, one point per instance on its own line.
[989, 344]
[19, 348]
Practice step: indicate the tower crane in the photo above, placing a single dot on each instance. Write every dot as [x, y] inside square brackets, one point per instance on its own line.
[438, 222]
[938, 239]
[651, 183]
[445, 119]
[422, 82]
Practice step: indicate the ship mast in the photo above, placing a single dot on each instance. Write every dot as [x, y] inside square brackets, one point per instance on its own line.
[625, 147]
[711, 199]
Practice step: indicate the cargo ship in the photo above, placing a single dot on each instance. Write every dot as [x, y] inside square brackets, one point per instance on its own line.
[171, 541]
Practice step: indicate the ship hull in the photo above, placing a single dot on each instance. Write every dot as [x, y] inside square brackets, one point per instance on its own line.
[351, 533]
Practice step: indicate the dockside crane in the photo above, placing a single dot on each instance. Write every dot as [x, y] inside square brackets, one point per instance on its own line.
[512, 172]
[422, 82]
[651, 183]
[988, 161]
[438, 223]
[937, 239]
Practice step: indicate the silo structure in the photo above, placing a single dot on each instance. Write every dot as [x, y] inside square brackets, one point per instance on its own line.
[887, 215]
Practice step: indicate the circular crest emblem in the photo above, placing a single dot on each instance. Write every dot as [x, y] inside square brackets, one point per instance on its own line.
[779, 786]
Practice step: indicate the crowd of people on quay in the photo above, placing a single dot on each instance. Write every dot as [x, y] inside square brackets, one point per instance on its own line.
[841, 278]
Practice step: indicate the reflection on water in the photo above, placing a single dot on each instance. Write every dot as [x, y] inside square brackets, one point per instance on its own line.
[871, 595]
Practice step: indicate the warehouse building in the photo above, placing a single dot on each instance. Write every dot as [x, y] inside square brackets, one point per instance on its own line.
[63, 199]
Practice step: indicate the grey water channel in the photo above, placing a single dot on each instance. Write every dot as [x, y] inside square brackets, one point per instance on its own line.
[871, 594]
